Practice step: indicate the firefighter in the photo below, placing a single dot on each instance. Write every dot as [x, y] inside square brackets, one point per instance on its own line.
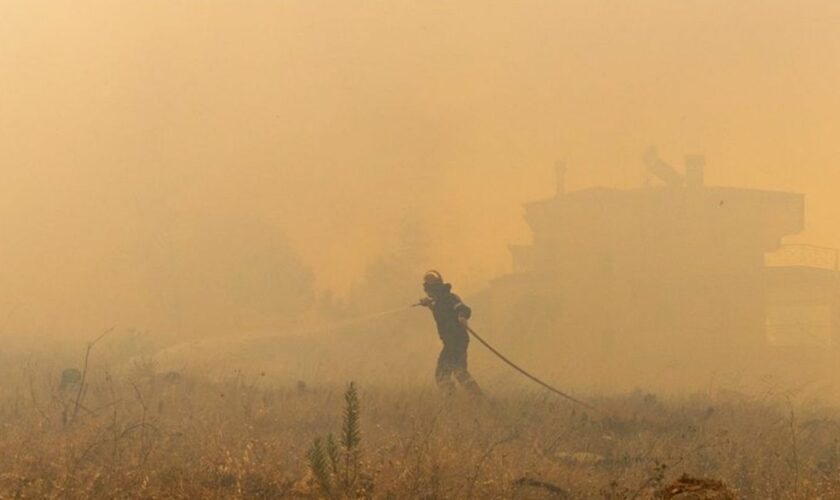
[451, 316]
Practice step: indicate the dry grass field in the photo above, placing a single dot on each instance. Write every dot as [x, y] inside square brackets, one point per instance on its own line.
[150, 434]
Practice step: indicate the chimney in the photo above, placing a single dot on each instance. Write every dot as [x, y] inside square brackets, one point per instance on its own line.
[664, 172]
[560, 168]
[694, 165]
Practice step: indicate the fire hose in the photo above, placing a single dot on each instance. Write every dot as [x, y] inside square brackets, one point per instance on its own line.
[472, 332]
[528, 375]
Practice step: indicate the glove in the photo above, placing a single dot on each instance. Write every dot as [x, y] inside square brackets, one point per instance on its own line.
[426, 302]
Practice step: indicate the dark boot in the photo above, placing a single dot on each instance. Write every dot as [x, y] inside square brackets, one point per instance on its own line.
[469, 384]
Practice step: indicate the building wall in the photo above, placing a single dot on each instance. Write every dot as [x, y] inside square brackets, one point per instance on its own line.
[647, 276]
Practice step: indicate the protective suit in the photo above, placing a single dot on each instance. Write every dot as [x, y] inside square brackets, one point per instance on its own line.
[451, 316]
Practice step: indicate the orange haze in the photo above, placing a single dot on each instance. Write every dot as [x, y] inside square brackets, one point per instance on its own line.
[128, 127]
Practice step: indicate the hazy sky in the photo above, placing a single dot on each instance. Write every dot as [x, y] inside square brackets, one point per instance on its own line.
[333, 121]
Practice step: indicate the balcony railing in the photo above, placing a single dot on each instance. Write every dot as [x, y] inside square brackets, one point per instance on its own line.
[804, 256]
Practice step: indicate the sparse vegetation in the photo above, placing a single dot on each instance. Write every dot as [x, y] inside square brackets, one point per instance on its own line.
[144, 434]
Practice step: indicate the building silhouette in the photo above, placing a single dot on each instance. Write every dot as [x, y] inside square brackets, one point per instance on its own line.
[674, 268]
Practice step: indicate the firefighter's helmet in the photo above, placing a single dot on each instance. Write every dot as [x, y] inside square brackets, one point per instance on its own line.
[432, 277]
